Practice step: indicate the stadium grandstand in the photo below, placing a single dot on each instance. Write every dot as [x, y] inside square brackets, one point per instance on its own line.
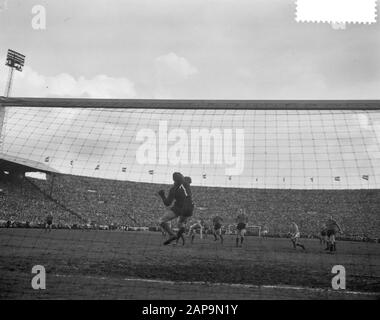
[81, 200]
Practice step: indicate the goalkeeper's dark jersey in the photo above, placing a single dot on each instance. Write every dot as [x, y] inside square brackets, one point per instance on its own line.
[183, 202]
[331, 224]
[242, 218]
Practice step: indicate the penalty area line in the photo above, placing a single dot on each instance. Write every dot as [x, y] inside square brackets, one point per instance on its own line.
[230, 285]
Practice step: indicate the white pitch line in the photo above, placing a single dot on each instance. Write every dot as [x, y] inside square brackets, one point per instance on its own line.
[233, 285]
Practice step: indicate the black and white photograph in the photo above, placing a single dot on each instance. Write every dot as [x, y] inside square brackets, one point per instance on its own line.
[203, 151]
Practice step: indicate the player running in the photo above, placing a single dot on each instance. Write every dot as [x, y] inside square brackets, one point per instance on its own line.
[332, 227]
[241, 227]
[217, 228]
[179, 204]
[199, 225]
[49, 222]
[295, 236]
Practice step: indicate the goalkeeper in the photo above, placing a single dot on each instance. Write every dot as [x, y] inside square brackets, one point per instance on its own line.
[179, 205]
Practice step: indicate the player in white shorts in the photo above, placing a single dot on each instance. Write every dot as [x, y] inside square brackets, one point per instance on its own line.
[295, 236]
[199, 225]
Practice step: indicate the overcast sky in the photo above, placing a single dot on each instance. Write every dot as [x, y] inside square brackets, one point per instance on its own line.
[217, 49]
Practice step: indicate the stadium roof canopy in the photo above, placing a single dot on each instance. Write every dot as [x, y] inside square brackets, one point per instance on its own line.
[192, 104]
[14, 163]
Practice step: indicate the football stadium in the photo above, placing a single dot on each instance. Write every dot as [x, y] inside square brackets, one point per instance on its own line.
[80, 183]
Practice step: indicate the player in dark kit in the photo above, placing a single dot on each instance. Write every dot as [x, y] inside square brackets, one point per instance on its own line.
[49, 222]
[323, 235]
[217, 223]
[241, 227]
[332, 228]
[180, 206]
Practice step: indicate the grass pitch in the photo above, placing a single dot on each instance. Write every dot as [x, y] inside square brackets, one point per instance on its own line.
[135, 265]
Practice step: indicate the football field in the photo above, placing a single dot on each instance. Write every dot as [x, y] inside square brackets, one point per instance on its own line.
[135, 265]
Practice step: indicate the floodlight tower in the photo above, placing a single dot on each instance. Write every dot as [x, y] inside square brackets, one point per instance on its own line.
[16, 61]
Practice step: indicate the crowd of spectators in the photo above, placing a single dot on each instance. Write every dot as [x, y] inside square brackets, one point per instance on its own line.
[77, 200]
[21, 204]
